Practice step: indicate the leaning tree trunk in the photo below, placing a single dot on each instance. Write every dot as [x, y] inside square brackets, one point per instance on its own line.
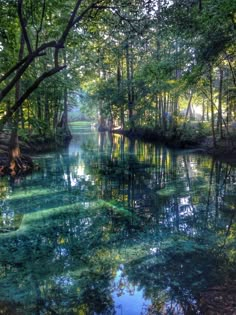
[16, 161]
[189, 108]
[14, 149]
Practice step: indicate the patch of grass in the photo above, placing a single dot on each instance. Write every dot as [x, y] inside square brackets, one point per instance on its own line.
[80, 123]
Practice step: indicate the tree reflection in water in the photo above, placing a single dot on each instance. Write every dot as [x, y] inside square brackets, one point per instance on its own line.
[111, 218]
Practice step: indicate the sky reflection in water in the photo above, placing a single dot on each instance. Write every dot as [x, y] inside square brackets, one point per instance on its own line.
[111, 226]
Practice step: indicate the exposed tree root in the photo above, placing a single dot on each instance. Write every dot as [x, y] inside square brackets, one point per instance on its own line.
[23, 163]
[15, 166]
[11, 160]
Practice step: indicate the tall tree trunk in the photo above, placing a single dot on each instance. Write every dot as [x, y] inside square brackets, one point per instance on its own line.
[207, 112]
[164, 113]
[203, 109]
[156, 110]
[129, 85]
[65, 95]
[66, 134]
[46, 110]
[228, 112]
[65, 109]
[39, 109]
[119, 90]
[212, 109]
[161, 112]
[22, 119]
[219, 120]
[14, 147]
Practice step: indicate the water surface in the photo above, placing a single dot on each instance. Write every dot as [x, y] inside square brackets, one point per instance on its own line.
[112, 226]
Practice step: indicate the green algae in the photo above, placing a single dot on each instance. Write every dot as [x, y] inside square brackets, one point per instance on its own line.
[108, 221]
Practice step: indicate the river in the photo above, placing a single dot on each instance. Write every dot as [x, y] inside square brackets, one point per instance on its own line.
[113, 226]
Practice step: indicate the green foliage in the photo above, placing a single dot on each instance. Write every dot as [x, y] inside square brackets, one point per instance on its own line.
[132, 66]
[192, 132]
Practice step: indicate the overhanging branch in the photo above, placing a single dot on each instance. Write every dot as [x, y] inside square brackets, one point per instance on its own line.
[22, 67]
[27, 93]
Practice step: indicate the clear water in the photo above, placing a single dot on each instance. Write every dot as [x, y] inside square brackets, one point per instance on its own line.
[110, 226]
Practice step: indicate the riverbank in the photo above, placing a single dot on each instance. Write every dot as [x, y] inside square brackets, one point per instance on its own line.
[225, 149]
[32, 145]
[198, 142]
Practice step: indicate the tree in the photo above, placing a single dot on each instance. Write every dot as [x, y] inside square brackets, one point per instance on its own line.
[161, 67]
[41, 53]
[77, 14]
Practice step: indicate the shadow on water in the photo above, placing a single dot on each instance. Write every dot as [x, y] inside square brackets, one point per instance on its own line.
[112, 226]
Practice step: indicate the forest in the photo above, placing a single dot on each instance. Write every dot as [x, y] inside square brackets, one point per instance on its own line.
[117, 157]
[153, 69]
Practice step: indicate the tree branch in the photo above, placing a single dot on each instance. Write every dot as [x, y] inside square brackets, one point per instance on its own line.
[129, 21]
[72, 21]
[27, 93]
[40, 24]
[90, 7]
[22, 24]
[23, 67]
[16, 66]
